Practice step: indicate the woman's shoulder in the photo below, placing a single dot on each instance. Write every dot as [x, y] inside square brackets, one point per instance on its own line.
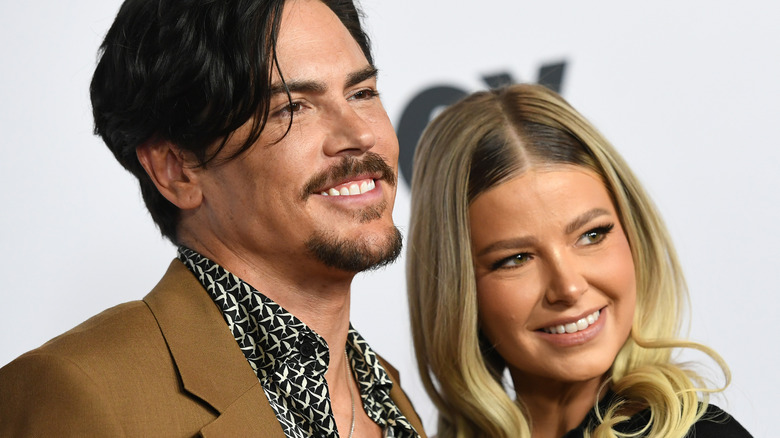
[718, 423]
[714, 423]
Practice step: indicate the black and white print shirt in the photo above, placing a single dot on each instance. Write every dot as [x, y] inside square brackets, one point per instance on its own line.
[290, 359]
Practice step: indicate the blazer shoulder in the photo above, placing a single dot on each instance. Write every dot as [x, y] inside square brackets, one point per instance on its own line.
[113, 373]
[109, 335]
[47, 394]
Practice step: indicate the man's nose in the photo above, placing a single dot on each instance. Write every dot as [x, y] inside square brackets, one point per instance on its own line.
[349, 132]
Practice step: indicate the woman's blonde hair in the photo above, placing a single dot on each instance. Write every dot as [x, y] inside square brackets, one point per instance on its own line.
[478, 143]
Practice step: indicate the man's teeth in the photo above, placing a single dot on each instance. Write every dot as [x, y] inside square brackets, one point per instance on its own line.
[351, 189]
[574, 327]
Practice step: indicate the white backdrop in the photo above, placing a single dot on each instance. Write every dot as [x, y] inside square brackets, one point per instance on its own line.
[687, 91]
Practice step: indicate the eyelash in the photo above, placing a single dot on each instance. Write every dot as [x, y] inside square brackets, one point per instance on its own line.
[602, 231]
[502, 264]
[371, 93]
[287, 109]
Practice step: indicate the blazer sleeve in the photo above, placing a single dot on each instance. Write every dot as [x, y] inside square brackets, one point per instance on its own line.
[44, 395]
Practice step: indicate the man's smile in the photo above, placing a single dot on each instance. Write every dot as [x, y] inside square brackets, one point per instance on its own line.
[351, 188]
[351, 177]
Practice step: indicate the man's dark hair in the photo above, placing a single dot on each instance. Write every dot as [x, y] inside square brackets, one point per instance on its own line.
[190, 72]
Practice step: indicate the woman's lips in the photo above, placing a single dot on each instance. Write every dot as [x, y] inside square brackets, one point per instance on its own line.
[577, 336]
[574, 327]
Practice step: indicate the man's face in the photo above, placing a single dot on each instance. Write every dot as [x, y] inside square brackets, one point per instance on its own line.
[322, 196]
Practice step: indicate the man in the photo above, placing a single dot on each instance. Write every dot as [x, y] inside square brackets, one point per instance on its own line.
[264, 152]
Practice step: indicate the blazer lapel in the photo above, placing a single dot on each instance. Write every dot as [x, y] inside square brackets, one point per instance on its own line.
[236, 419]
[401, 400]
[210, 363]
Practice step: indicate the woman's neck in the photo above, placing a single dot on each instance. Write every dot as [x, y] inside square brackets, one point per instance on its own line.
[556, 407]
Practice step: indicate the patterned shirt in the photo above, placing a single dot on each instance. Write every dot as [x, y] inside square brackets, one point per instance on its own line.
[290, 359]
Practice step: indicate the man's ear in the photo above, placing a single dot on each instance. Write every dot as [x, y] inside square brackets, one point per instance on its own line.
[171, 172]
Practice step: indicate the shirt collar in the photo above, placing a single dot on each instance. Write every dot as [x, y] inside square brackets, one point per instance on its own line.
[268, 334]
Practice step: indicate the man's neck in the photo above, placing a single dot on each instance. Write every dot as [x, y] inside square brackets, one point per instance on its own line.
[317, 295]
[320, 298]
[322, 302]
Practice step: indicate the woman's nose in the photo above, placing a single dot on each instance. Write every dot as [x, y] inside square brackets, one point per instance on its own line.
[566, 281]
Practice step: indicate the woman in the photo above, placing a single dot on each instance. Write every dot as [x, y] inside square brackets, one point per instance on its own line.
[533, 248]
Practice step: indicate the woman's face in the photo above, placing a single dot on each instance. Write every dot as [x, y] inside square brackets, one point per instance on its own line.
[555, 276]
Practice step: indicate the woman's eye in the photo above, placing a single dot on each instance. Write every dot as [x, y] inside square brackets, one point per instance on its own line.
[593, 236]
[596, 235]
[513, 261]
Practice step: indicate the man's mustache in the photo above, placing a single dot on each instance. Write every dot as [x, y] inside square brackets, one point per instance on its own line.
[371, 163]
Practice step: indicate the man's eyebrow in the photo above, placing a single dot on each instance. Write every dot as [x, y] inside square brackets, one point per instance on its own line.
[298, 87]
[584, 219]
[359, 76]
[306, 86]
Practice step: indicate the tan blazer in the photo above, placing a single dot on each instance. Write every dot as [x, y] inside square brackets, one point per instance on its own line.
[166, 366]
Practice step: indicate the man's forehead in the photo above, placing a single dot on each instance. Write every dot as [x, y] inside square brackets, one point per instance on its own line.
[311, 31]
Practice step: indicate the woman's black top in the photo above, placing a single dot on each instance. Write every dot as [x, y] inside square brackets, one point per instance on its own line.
[715, 423]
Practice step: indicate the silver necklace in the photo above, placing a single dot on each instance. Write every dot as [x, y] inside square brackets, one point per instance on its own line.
[351, 395]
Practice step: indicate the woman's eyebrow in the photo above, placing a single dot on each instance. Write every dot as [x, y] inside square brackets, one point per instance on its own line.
[584, 218]
[517, 242]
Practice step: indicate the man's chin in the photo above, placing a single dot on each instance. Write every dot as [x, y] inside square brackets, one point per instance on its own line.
[356, 255]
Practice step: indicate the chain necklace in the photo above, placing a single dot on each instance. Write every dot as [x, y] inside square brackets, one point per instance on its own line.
[351, 395]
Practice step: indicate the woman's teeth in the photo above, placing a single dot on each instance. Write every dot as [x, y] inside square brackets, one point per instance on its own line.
[351, 189]
[574, 327]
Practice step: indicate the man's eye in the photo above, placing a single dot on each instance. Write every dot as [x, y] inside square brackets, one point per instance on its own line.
[365, 94]
[289, 109]
[293, 107]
